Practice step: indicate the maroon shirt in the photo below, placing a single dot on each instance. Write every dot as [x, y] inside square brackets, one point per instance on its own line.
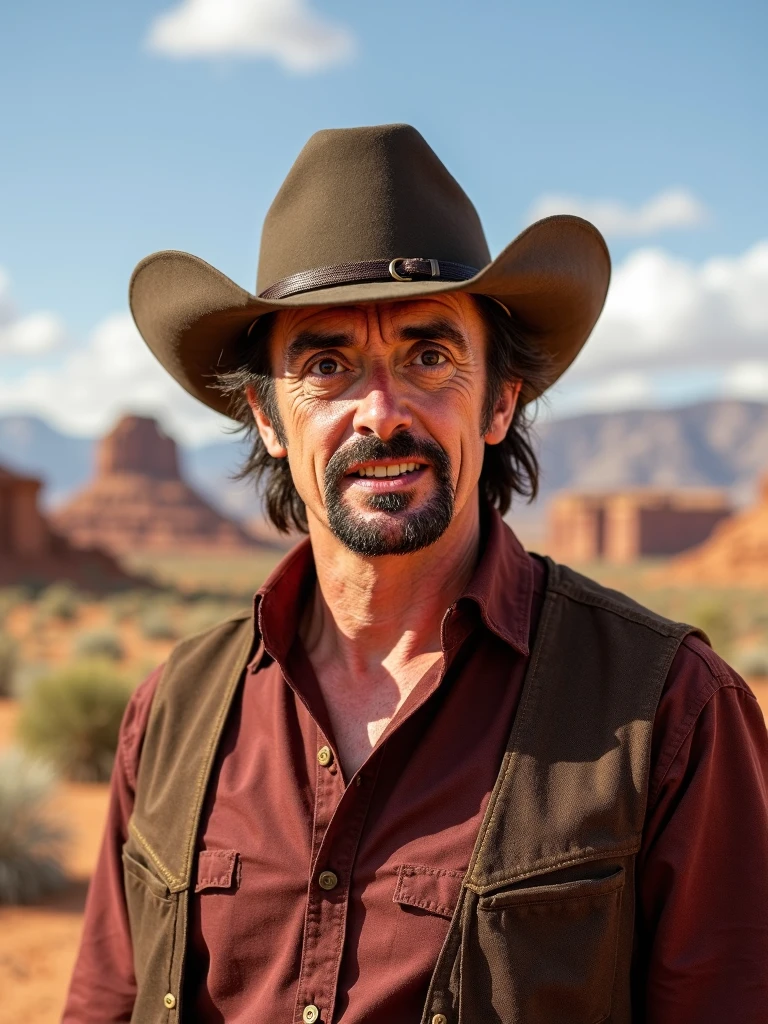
[266, 940]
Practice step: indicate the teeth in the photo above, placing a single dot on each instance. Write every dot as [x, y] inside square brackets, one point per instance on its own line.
[385, 471]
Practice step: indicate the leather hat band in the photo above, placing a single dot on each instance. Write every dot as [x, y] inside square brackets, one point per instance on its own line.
[399, 269]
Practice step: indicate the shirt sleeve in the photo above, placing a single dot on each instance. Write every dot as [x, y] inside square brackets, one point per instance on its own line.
[103, 986]
[702, 914]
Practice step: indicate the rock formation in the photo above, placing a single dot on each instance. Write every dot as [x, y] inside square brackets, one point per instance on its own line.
[32, 553]
[138, 500]
[735, 555]
[623, 526]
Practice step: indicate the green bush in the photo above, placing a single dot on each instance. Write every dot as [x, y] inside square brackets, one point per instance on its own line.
[30, 844]
[715, 618]
[59, 601]
[752, 663]
[99, 643]
[12, 597]
[70, 718]
[156, 623]
[205, 614]
[9, 662]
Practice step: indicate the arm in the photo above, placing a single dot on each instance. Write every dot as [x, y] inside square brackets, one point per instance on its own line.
[103, 986]
[703, 870]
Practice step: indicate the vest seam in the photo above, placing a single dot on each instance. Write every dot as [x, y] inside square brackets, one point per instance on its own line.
[554, 863]
[210, 750]
[517, 731]
[664, 627]
[174, 882]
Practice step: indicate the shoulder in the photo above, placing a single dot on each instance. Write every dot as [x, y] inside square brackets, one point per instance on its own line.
[581, 590]
[705, 707]
[134, 725]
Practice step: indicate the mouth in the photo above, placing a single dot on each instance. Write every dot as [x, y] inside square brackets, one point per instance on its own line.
[386, 474]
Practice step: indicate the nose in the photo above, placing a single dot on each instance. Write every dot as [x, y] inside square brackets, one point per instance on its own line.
[381, 410]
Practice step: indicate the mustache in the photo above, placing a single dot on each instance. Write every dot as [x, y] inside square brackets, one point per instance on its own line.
[402, 446]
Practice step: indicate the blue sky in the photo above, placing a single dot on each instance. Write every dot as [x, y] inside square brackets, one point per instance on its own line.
[112, 149]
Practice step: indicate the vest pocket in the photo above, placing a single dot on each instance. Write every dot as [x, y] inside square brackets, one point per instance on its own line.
[151, 916]
[547, 953]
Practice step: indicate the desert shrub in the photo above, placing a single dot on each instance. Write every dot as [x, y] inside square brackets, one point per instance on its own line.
[752, 663]
[59, 601]
[12, 597]
[156, 622]
[205, 614]
[714, 617]
[30, 843]
[9, 663]
[127, 604]
[70, 718]
[99, 643]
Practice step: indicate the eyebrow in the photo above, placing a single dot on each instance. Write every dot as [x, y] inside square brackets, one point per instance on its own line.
[435, 329]
[314, 341]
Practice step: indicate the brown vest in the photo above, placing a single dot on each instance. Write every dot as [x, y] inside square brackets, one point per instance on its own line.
[543, 930]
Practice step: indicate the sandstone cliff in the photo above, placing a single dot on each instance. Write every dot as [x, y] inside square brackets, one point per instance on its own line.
[139, 501]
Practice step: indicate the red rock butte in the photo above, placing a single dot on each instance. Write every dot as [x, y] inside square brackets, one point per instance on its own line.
[138, 500]
[735, 555]
[32, 553]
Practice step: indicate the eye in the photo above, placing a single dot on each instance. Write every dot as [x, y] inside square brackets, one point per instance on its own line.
[430, 357]
[327, 366]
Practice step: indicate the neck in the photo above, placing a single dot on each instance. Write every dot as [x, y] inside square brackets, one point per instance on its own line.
[370, 612]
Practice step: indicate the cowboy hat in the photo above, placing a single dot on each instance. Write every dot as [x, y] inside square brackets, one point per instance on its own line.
[370, 215]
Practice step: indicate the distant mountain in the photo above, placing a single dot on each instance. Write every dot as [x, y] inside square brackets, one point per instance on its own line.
[723, 444]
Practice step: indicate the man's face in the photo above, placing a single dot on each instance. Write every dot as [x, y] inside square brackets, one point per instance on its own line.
[381, 407]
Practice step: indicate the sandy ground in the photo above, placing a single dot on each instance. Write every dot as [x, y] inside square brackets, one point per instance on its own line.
[38, 944]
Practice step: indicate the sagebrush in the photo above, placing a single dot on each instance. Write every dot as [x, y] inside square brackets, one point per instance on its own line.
[31, 843]
[71, 718]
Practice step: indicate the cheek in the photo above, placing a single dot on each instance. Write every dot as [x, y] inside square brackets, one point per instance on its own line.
[315, 430]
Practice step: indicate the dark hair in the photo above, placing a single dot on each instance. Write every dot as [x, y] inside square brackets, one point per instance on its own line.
[509, 468]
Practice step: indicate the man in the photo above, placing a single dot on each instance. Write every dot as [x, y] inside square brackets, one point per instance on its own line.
[430, 777]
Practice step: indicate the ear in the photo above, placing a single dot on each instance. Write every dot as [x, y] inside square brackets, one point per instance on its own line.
[503, 413]
[264, 425]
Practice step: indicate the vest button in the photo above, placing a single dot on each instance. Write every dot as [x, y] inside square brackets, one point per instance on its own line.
[311, 1014]
[439, 1018]
[325, 756]
[327, 880]
[170, 1000]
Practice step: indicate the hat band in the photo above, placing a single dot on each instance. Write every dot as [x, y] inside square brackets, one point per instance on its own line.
[399, 269]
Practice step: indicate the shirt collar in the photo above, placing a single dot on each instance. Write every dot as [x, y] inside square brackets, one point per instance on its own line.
[501, 587]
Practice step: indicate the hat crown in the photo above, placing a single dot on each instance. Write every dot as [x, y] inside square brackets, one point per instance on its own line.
[357, 194]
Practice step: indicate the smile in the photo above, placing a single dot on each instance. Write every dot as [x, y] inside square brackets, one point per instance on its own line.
[396, 469]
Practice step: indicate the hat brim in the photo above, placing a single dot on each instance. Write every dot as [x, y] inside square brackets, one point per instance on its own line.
[553, 278]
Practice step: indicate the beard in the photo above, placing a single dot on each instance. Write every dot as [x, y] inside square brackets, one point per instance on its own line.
[409, 531]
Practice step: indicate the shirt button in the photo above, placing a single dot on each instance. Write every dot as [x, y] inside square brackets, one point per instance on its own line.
[169, 999]
[325, 756]
[311, 1014]
[327, 880]
[439, 1018]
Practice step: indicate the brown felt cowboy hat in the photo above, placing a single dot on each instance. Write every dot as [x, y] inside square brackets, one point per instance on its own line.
[369, 215]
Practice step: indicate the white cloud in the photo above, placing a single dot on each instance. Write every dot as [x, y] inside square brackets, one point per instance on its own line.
[27, 335]
[112, 374]
[664, 312]
[675, 208]
[297, 37]
[673, 331]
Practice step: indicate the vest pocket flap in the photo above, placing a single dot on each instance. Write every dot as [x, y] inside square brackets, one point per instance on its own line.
[216, 869]
[432, 889]
[136, 870]
[563, 892]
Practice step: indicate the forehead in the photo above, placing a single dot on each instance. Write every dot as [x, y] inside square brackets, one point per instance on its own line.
[459, 309]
